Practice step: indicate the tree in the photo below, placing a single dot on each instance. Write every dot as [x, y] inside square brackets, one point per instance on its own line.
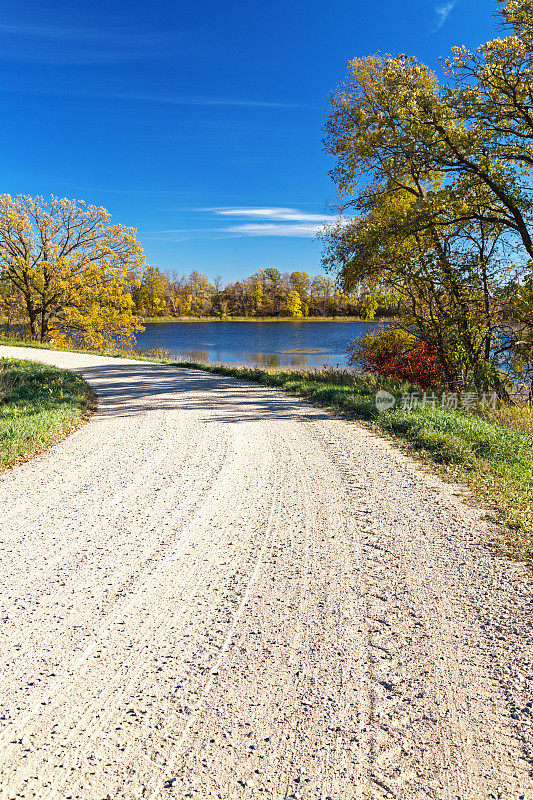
[178, 297]
[218, 306]
[438, 177]
[321, 291]
[237, 296]
[256, 291]
[71, 269]
[202, 293]
[392, 119]
[294, 304]
[447, 278]
[395, 353]
[272, 288]
[153, 292]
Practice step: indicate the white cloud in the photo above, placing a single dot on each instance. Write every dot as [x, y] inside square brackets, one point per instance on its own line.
[275, 229]
[442, 13]
[276, 213]
[273, 221]
[257, 221]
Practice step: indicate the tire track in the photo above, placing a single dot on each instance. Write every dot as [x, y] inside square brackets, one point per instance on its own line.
[298, 613]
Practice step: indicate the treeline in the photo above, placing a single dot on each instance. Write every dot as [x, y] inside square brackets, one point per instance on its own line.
[266, 293]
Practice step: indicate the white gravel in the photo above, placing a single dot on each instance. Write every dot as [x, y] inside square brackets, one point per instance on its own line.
[214, 590]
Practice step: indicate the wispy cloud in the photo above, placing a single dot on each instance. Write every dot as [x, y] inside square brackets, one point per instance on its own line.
[39, 44]
[260, 221]
[171, 100]
[273, 221]
[277, 213]
[64, 34]
[443, 12]
[204, 101]
[300, 230]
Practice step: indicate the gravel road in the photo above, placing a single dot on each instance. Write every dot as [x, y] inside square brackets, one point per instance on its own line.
[214, 590]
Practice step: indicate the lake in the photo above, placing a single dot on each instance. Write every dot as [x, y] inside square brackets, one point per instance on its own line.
[275, 344]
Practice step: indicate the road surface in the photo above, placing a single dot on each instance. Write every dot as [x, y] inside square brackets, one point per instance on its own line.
[214, 590]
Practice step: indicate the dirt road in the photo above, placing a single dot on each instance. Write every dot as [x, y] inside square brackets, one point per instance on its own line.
[214, 590]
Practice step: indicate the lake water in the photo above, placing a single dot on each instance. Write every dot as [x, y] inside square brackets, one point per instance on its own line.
[295, 344]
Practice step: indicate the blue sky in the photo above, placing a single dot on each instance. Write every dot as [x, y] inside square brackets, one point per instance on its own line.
[199, 124]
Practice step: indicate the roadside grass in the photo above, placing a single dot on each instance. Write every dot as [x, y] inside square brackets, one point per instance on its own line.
[39, 405]
[490, 452]
[517, 416]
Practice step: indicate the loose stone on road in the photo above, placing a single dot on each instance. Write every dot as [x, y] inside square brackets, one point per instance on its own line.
[214, 590]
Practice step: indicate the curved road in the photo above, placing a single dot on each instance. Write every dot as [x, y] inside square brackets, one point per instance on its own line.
[214, 590]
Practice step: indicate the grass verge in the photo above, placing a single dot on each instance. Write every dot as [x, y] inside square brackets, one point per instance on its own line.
[39, 405]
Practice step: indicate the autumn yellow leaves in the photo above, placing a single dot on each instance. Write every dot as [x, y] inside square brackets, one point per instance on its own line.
[67, 271]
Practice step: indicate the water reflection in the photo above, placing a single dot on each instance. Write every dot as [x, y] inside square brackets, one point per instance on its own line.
[195, 355]
[255, 359]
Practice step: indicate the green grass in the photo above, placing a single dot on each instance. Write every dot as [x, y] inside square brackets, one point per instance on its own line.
[491, 453]
[39, 405]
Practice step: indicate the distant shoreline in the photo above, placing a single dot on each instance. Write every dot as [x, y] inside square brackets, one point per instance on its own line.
[156, 320]
[165, 320]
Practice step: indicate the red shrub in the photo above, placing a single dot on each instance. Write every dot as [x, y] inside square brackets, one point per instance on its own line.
[397, 354]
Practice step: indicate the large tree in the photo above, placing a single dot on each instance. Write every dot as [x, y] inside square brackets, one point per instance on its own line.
[70, 268]
[439, 177]
[393, 119]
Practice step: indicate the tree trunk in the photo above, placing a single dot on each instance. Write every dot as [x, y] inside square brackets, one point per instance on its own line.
[32, 316]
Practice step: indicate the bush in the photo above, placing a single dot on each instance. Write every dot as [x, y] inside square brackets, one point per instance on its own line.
[397, 354]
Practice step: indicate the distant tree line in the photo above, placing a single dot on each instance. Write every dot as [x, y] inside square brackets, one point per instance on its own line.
[266, 293]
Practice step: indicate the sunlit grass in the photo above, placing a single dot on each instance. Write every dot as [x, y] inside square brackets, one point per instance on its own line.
[517, 416]
[39, 405]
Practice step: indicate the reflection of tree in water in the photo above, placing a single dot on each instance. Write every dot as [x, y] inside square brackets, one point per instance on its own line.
[260, 359]
[197, 355]
[264, 359]
[274, 360]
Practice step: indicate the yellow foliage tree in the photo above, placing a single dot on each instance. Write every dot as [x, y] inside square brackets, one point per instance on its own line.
[294, 304]
[70, 269]
[439, 178]
[153, 292]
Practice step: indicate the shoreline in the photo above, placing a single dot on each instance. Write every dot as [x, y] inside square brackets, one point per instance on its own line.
[165, 320]
[454, 443]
